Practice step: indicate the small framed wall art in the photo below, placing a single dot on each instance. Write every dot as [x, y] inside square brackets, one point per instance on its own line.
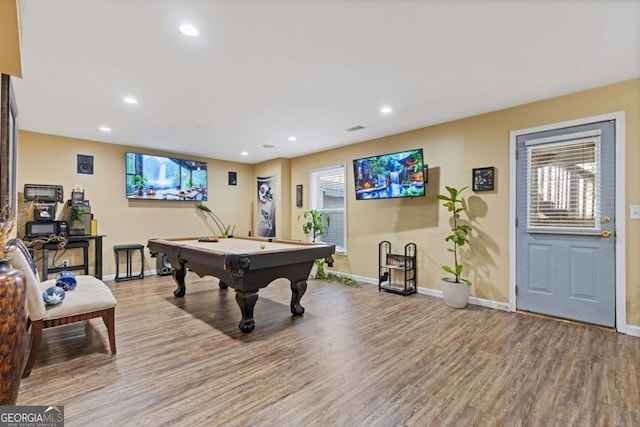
[483, 179]
[299, 195]
[233, 178]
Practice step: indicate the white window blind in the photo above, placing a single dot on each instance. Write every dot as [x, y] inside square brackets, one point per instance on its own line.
[564, 184]
[327, 194]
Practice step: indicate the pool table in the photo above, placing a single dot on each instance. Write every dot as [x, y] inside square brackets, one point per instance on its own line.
[245, 264]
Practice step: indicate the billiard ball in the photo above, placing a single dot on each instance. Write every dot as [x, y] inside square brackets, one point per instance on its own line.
[262, 246]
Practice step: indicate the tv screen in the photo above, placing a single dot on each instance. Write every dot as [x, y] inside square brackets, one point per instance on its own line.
[165, 178]
[389, 176]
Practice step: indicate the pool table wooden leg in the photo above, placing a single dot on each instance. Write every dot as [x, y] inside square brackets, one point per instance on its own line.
[247, 301]
[297, 290]
[178, 276]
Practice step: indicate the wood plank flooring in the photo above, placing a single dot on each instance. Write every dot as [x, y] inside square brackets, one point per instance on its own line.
[356, 358]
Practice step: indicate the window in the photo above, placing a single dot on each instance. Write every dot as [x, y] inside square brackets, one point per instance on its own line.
[327, 194]
[564, 183]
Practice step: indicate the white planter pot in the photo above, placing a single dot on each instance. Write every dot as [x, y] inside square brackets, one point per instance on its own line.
[314, 271]
[456, 295]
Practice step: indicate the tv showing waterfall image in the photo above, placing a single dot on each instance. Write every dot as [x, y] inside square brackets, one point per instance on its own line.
[165, 178]
[390, 176]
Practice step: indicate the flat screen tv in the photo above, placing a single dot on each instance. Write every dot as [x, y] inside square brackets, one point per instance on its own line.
[165, 178]
[389, 176]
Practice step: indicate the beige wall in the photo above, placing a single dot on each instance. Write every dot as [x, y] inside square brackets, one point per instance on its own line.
[10, 62]
[48, 159]
[452, 150]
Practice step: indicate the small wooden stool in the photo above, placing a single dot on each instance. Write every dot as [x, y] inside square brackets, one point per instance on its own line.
[129, 250]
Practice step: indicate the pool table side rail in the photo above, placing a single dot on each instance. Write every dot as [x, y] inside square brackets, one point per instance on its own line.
[256, 239]
[177, 250]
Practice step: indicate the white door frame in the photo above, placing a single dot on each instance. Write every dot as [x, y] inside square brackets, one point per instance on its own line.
[620, 245]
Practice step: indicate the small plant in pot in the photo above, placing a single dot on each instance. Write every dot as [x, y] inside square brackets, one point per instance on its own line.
[76, 221]
[456, 289]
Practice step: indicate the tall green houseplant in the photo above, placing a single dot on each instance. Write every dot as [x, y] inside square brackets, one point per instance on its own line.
[459, 232]
[316, 223]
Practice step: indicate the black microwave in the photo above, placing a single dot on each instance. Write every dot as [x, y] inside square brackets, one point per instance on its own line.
[45, 228]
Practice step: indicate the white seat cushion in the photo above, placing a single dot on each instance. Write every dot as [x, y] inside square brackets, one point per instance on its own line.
[90, 294]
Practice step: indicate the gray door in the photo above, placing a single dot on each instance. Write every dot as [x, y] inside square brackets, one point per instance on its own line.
[565, 227]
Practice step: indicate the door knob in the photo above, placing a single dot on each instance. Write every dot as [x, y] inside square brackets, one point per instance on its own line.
[605, 233]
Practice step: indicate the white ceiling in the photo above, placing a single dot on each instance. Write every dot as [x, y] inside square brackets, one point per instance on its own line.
[262, 70]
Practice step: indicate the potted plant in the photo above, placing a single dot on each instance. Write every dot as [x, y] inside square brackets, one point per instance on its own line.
[76, 221]
[316, 224]
[456, 289]
[225, 230]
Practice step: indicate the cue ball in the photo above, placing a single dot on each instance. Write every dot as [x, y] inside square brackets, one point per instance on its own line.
[262, 246]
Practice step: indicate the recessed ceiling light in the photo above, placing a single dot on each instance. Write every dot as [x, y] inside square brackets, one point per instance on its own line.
[130, 100]
[385, 110]
[244, 153]
[105, 129]
[292, 138]
[189, 30]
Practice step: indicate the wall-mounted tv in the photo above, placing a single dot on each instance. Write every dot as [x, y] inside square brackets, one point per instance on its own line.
[389, 176]
[165, 178]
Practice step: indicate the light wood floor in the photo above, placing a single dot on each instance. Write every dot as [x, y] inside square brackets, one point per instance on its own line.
[356, 358]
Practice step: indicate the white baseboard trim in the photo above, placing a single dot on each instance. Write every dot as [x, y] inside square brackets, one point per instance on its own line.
[435, 293]
[109, 277]
[362, 279]
[472, 300]
[632, 330]
[430, 292]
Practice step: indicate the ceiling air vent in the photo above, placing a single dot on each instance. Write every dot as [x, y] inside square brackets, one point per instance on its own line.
[355, 128]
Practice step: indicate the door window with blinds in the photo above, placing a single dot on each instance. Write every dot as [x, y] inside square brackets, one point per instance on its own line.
[564, 183]
[327, 194]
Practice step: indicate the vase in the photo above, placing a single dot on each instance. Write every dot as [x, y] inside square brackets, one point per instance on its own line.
[13, 331]
[455, 294]
[314, 272]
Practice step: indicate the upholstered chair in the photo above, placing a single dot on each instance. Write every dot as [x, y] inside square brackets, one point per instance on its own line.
[91, 298]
